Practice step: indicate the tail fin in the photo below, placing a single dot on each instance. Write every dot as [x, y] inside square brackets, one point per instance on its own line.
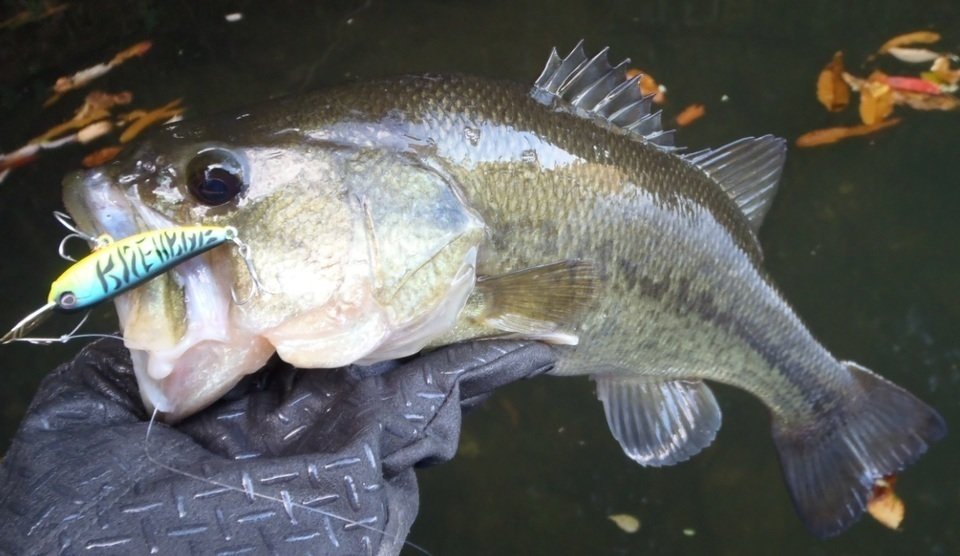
[830, 469]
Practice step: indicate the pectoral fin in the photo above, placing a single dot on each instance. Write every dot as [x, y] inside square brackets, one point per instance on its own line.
[659, 422]
[544, 303]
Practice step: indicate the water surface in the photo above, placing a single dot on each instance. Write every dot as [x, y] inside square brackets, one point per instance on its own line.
[862, 238]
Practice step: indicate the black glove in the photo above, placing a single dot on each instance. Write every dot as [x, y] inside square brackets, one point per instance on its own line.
[292, 462]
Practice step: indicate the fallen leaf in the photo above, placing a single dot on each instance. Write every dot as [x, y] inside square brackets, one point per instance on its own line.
[161, 114]
[917, 101]
[833, 134]
[913, 55]
[85, 76]
[832, 91]
[79, 79]
[944, 73]
[132, 115]
[648, 85]
[17, 159]
[690, 114]
[70, 125]
[917, 37]
[94, 131]
[877, 76]
[884, 504]
[876, 102]
[134, 51]
[625, 522]
[102, 156]
[29, 16]
[913, 85]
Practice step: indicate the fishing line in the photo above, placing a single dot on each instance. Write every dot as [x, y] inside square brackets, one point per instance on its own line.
[72, 335]
[247, 490]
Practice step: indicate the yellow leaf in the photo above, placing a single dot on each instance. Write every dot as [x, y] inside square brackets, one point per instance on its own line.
[625, 522]
[917, 37]
[944, 74]
[876, 102]
[884, 504]
[832, 91]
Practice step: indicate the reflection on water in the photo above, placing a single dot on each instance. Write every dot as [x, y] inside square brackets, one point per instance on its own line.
[862, 239]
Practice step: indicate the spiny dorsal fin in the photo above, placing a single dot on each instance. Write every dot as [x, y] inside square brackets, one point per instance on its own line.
[595, 89]
[748, 170]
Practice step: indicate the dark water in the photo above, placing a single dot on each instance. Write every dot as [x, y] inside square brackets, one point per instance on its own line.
[862, 238]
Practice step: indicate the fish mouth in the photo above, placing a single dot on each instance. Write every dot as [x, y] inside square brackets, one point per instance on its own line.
[185, 347]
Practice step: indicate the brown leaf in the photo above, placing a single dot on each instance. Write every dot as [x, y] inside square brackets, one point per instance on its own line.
[876, 102]
[832, 91]
[161, 114]
[85, 76]
[138, 49]
[75, 123]
[29, 16]
[920, 101]
[648, 85]
[917, 37]
[884, 504]
[833, 134]
[102, 156]
[99, 101]
[690, 114]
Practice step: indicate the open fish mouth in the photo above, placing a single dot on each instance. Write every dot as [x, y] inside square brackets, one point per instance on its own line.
[184, 346]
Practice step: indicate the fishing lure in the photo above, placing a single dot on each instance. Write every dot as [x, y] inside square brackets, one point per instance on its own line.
[116, 266]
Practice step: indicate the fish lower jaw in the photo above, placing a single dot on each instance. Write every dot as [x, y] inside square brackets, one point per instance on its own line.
[182, 384]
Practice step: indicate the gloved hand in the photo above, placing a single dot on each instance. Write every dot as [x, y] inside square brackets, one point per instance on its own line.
[289, 462]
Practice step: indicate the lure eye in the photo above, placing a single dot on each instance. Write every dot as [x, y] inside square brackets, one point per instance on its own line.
[67, 300]
[215, 177]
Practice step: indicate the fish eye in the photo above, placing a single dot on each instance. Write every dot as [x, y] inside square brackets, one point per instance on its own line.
[215, 177]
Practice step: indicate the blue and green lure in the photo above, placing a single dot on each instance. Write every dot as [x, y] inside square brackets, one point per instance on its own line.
[116, 266]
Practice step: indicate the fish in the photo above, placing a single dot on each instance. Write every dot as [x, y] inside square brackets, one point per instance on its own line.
[396, 215]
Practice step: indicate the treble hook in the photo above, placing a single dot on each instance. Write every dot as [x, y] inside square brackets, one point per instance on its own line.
[65, 221]
[243, 250]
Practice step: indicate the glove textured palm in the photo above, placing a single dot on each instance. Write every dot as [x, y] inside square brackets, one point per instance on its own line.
[295, 461]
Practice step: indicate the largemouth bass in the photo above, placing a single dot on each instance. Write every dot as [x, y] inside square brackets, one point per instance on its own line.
[390, 216]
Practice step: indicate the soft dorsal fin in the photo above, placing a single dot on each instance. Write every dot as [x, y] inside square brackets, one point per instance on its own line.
[748, 170]
[592, 88]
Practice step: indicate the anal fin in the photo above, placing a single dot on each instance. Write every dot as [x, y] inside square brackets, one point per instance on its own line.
[659, 422]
